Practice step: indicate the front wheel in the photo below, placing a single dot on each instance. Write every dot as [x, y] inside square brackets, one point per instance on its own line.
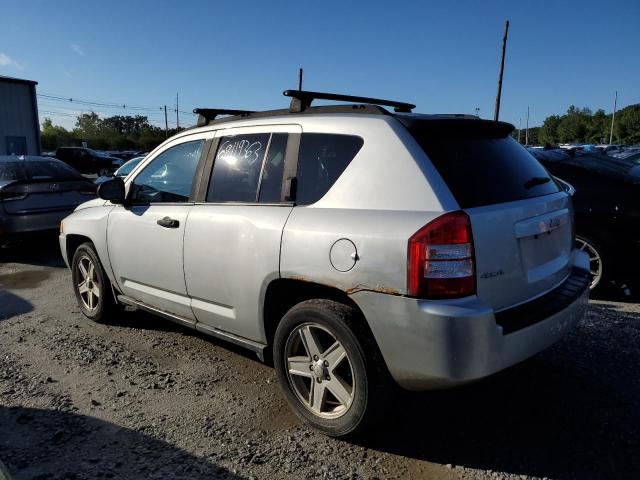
[328, 367]
[91, 284]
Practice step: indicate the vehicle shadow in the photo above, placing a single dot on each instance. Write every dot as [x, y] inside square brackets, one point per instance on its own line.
[38, 443]
[42, 251]
[12, 305]
[546, 417]
[147, 321]
[626, 291]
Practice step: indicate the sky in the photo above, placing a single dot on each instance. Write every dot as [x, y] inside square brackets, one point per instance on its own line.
[442, 56]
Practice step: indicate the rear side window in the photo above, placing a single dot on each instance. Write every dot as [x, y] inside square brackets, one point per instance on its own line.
[322, 159]
[237, 167]
[483, 170]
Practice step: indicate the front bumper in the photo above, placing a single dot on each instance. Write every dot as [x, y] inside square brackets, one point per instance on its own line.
[436, 344]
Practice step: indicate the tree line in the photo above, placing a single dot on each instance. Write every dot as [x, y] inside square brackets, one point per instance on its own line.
[125, 132]
[119, 132]
[581, 125]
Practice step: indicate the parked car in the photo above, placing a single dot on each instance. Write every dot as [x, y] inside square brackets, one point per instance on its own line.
[36, 193]
[606, 210]
[353, 246]
[86, 160]
[123, 171]
[630, 155]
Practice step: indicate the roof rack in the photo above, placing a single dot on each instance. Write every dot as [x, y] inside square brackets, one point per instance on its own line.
[301, 100]
[207, 115]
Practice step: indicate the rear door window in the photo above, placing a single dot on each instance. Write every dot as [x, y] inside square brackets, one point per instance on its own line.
[237, 168]
[480, 168]
[322, 159]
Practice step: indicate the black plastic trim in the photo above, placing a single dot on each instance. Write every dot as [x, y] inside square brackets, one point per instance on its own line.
[522, 316]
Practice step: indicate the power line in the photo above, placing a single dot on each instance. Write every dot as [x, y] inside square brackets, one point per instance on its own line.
[114, 105]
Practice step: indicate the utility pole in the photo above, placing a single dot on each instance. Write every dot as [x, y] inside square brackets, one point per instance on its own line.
[526, 135]
[166, 123]
[519, 128]
[300, 79]
[613, 117]
[504, 50]
[177, 115]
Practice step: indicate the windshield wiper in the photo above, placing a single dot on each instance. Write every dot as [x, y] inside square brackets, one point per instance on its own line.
[535, 181]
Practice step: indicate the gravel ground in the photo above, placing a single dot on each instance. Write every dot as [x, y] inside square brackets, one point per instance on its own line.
[141, 398]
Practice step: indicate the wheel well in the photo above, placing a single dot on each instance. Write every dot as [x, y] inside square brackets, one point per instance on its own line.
[73, 242]
[283, 294]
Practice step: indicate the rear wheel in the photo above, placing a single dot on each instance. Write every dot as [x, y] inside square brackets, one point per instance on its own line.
[597, 268]
[91, 285]
[329, 368]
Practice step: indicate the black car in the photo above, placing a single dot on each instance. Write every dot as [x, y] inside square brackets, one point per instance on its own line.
[86, 160]
[36, 193]
[607, 210]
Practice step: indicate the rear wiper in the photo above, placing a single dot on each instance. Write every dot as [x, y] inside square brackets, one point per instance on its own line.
[535, 181]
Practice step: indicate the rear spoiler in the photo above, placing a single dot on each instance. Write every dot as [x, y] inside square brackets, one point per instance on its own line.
[451, 126]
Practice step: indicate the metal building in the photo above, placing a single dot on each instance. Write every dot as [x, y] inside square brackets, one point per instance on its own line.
[19, 126]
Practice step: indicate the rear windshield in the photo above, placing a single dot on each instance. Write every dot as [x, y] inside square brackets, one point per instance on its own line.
[41, 170]
[483, 169]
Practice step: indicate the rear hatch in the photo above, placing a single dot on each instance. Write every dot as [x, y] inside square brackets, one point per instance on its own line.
[521, 220]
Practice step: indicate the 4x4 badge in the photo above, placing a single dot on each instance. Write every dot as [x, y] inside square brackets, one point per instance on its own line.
[497, 273]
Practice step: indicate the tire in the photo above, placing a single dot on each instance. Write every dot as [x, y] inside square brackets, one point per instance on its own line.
[91, 285]
[339, 390]
[598, 267]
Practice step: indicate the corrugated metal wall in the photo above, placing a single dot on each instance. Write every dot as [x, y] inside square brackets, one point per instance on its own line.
[17, 112]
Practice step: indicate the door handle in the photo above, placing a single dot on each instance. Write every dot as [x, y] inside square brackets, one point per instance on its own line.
[167, 222]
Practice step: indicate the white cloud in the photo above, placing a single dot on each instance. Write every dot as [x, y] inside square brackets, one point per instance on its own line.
[7, 61]
[76, 48]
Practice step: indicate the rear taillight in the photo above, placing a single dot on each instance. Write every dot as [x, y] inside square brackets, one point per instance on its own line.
[440, 259]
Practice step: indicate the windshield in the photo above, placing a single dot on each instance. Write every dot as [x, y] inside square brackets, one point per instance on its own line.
[10, 171]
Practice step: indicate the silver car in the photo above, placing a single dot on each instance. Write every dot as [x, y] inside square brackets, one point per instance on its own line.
[352, 246]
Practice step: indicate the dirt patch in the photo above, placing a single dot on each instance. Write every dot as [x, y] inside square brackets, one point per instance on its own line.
[24, 279]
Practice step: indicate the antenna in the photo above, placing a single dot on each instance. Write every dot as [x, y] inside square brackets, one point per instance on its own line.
[504, 49]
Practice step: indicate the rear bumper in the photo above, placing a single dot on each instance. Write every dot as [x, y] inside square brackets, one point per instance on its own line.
[16, 226]
[436, 344]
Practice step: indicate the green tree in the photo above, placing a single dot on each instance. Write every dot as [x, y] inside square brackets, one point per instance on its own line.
[548, 133]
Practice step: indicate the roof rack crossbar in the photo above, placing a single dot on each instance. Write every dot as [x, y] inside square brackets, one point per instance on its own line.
[301, 100]
[207, 115]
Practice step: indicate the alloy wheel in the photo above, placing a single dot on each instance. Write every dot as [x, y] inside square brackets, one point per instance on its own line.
[88, 286]
[319, 370]
[595, 261]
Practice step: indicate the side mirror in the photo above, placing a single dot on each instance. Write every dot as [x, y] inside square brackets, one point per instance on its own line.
[112, 190]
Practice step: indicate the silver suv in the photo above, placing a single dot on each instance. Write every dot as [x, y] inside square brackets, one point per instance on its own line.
[352, 246]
